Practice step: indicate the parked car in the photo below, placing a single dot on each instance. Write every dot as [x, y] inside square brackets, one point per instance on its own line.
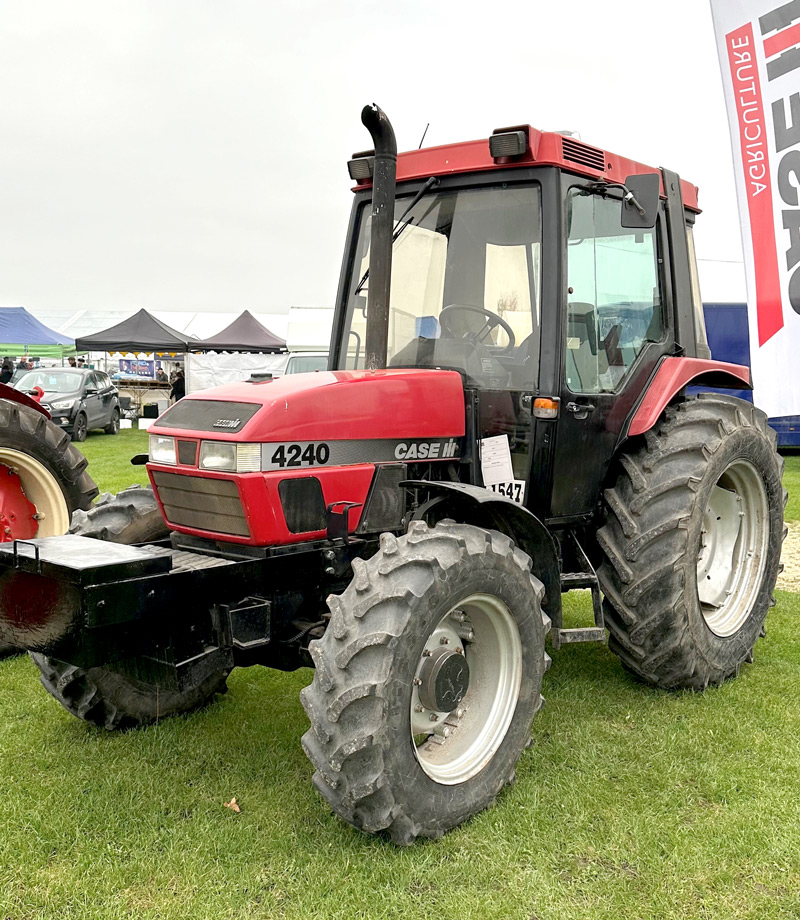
[303, 362]
[78, 399]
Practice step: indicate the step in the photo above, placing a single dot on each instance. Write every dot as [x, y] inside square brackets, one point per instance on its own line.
[572, 580]
[583, 634]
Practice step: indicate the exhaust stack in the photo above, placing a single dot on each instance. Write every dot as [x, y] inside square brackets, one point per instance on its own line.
[380, 246]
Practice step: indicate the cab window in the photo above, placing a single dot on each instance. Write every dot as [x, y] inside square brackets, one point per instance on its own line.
[614, 302]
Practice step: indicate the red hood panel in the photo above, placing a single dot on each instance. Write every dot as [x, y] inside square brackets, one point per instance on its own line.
[342, 405]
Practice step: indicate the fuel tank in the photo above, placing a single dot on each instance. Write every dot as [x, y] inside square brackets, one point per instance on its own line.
[262, 462]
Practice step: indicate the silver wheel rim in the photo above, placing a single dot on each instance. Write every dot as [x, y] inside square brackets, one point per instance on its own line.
[452, 747]
[733, 548]
[41, 489]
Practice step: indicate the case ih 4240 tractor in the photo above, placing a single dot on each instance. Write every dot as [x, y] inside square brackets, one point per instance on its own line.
[510, 424]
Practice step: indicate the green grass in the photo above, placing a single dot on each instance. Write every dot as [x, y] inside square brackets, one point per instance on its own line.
[109, 458]
[632, 804]
[791, 479]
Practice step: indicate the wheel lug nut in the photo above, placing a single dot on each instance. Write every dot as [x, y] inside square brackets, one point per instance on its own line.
[426, 653]
[419, 709]
[417, 681]
[434, 717]
[444, 641]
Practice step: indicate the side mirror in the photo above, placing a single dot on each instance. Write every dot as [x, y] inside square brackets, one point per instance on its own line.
[91, 391]
[640, 210]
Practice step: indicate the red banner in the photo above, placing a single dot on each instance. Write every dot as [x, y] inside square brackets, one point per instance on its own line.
[757, 179]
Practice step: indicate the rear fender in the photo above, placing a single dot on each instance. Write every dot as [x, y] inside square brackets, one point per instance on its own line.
[474, 505]
[672, 375]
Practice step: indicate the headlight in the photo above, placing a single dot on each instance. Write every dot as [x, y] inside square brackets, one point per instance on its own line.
[218, 455]
[63, 404]
[230, 457]
[162, 450]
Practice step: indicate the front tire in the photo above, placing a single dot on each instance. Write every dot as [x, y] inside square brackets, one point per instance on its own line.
[692, 543]
[130, 516]
[80, 428]
[403, 737]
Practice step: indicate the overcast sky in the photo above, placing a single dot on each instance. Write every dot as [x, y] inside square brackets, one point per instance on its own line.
[192, 154]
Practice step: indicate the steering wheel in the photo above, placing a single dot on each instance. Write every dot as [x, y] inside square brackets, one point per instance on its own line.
[479, 336]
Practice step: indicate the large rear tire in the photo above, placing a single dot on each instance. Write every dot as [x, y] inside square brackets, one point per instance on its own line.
[427, 681]
[692, 543]
[38, 465]
[103, 696]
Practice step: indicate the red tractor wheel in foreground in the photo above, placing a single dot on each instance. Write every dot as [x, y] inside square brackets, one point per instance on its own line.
[43, 478]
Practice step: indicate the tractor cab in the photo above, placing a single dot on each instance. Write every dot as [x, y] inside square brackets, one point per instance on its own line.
[526, 263]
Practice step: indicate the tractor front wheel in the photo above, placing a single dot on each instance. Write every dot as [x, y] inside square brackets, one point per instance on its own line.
[105, 697]
[692, 543]
[427, 680]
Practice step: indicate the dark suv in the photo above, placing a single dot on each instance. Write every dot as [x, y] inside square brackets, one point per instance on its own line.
[77, 398]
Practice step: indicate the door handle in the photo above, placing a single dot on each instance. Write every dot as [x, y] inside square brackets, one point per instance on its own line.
[580, 410]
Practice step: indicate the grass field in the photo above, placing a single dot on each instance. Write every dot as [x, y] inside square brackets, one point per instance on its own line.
[632, 804]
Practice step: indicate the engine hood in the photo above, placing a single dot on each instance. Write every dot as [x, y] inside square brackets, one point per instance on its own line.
[324, 405]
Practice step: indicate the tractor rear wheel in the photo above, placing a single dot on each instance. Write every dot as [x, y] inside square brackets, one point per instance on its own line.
[427, 680]
[692, 543]
[43, 478]
[103, 696]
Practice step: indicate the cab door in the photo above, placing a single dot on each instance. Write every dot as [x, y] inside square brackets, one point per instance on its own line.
[614, 332]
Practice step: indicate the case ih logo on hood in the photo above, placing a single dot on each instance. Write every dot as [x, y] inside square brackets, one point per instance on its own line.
[227, 423]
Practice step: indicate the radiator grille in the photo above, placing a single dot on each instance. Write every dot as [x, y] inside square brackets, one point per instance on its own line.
[578, 152]
[205, 504]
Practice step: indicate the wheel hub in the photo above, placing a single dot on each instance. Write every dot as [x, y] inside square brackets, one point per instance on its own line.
[444, 680]
[465, 689]
[734, 543]
[18, 520]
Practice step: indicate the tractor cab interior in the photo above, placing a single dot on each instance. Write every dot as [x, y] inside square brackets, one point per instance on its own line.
[465, 290]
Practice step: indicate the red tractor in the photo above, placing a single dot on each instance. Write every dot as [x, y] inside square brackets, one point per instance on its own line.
[505, 418]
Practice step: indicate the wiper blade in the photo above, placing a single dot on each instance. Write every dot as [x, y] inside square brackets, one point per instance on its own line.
[430, 183]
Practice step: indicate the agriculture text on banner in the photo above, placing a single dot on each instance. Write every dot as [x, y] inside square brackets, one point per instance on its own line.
[759, 52]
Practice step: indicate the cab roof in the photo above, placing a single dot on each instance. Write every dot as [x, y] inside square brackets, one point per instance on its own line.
[545, 148]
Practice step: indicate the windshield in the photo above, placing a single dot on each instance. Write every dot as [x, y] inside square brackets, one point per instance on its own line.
[50, 381]
[465, 286]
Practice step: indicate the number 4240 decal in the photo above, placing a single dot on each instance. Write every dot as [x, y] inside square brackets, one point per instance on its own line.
[296, 455]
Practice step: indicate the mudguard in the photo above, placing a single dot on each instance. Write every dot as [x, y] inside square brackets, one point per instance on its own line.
[672, 375]
[476, 505]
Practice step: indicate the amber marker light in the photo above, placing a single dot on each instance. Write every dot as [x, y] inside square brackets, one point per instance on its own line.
[545, 407]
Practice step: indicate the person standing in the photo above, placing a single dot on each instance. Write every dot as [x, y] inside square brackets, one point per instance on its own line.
[178, 390]
[7, 372]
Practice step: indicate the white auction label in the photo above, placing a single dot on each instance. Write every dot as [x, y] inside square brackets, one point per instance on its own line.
[496, 460]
